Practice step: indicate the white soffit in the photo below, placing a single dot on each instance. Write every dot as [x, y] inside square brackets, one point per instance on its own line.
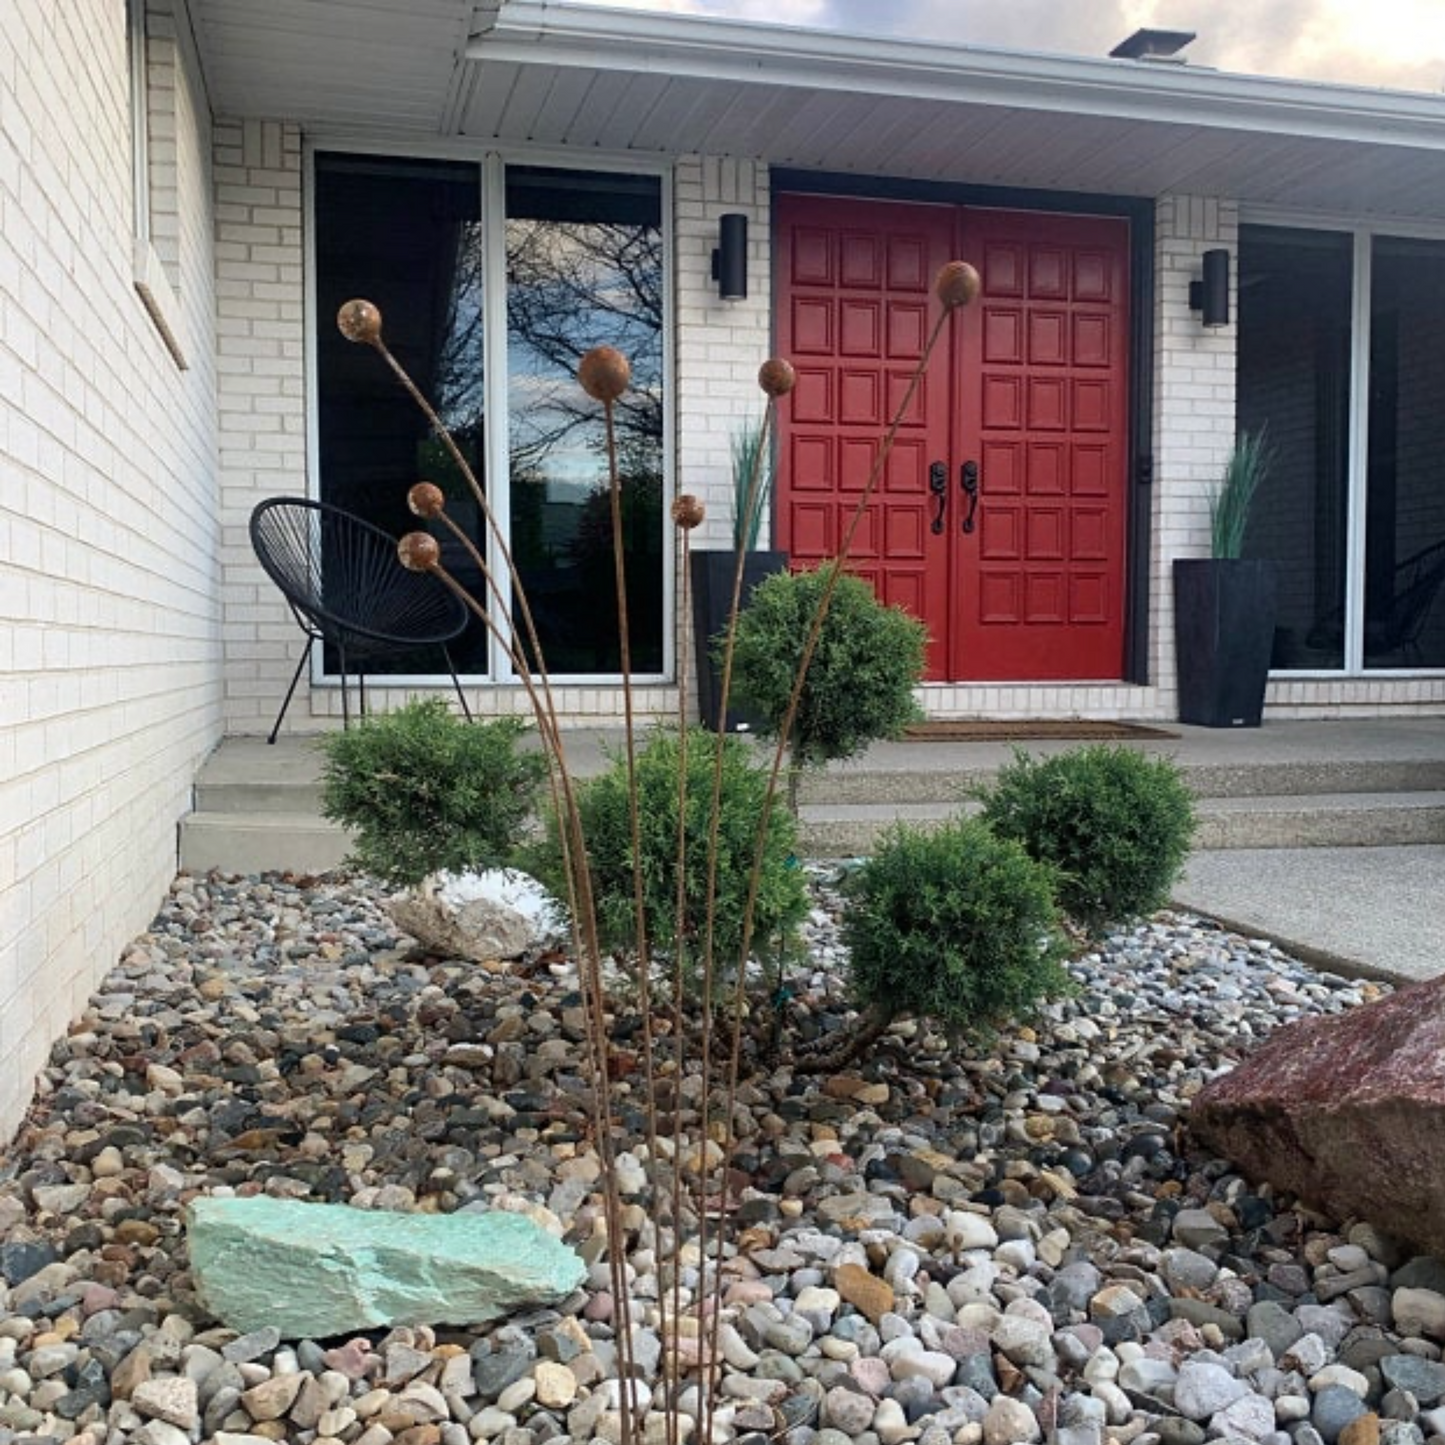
[665, 84]
[534, 71]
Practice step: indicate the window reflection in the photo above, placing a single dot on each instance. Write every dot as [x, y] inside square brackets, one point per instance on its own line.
[584, 268]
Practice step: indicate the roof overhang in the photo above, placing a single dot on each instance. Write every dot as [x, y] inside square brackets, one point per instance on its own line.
[513, 72]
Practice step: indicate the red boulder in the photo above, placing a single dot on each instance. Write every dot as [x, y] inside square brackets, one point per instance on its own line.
[1347, 1111]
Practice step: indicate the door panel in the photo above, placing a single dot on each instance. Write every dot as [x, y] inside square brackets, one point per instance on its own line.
[1000, 517]
[1043, 409]
[856, 302]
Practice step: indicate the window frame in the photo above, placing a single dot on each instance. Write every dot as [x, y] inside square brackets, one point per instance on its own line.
[1363, 235]
[148, 272]
[491, 163]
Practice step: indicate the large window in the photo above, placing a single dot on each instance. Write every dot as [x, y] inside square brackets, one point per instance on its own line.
[491, 289]
[1404, 584]
[1351, 400]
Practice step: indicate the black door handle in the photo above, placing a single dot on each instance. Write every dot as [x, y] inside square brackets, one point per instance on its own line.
[938, 485]
[968, 480]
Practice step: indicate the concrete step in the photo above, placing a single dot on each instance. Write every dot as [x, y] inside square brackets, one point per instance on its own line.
[1298, 786]
[930, 784]
[250, 781]
[843, 830]
[265, 842]
[301, 842]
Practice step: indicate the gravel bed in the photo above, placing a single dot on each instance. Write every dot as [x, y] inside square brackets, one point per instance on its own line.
[998, 1243]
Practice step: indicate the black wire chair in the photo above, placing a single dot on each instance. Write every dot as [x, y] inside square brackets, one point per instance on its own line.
[345, 585]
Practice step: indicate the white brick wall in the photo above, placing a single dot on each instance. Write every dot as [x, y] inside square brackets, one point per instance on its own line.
[109, 639]
[1193, 406]
[261, 397]
[720, 344]
[718, 348]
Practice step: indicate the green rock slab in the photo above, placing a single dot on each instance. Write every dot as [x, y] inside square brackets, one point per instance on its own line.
[317, 1270]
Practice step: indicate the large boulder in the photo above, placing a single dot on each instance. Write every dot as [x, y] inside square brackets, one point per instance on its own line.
[1347, 1111]
[316, 1270]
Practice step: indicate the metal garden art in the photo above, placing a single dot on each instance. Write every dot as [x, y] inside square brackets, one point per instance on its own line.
[686, 1162]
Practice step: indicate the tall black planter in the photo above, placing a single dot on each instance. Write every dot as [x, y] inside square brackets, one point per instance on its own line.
[1224, 611]
[712, 594]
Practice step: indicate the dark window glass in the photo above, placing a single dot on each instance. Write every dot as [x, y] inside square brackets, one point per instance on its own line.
[584, 268]
[1294, 383]
[1405, 509]
[405, 234]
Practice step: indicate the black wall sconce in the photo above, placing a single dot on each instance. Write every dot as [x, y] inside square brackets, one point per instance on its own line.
[730, 257]
[1210, 297]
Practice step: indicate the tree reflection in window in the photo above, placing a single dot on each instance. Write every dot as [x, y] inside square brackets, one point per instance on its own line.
[584, 268]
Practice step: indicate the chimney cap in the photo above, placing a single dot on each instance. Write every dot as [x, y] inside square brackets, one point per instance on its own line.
[1153, 45]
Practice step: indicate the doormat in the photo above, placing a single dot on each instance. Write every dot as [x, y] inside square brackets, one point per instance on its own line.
[1008, 730]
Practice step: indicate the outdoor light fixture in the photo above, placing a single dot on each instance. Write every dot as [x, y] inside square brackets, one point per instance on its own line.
[730, 257]
[1210, 296]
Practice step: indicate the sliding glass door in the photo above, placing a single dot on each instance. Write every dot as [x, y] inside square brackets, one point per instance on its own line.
[493, 281]
[1342, 369]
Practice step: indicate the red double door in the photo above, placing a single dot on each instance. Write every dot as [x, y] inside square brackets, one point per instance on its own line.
[1000, 518]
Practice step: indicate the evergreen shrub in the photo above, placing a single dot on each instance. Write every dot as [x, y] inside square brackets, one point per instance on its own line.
[426, 791]
[860, 681]
[1114, 823]
[602, 802]
[955, 924]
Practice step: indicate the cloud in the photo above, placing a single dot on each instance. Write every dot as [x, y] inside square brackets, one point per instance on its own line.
[1393, 43]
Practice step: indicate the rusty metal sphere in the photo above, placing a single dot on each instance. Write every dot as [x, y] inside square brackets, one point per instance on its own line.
[604, 373]
[419, 551]
[777, 377]
[426, 500]
[687, 511]
[359, 320]
[957, 284]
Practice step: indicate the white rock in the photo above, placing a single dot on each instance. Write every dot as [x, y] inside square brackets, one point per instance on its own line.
[172, 1398]
[1010, 1422]
[890, 1424]
[483, 917]
[1419, 1312]
[1340, 1375]
[1251, 1417]
[1204, 1389]
[969, 1231]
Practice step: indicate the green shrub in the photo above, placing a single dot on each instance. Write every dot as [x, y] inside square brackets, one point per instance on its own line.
[606, 824]
[861, 678]
[427, 791]
[1113, 823]
[957, 924]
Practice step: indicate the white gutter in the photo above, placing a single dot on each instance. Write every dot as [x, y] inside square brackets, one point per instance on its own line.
[543, 32]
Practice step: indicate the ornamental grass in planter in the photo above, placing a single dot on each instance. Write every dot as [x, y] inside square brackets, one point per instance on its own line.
[1225, 605]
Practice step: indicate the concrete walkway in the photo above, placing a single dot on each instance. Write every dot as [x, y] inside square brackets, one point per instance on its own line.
[1373, 911]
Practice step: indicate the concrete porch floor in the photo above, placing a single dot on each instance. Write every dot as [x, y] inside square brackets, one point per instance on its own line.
[1326, 836]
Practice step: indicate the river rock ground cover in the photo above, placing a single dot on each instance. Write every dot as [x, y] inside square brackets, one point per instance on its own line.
[998, 1243]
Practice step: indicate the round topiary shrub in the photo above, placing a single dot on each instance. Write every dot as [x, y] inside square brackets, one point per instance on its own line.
[606, 825]
[428, 792]
[955, 924]
[861, 677]
[1114, 824]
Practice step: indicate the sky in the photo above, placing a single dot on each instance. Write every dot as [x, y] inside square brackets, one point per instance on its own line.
[1396, 43]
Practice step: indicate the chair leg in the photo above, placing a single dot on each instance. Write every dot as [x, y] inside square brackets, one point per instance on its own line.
[345, 708]
[361, 692]
[456, 682]
[290, 691]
